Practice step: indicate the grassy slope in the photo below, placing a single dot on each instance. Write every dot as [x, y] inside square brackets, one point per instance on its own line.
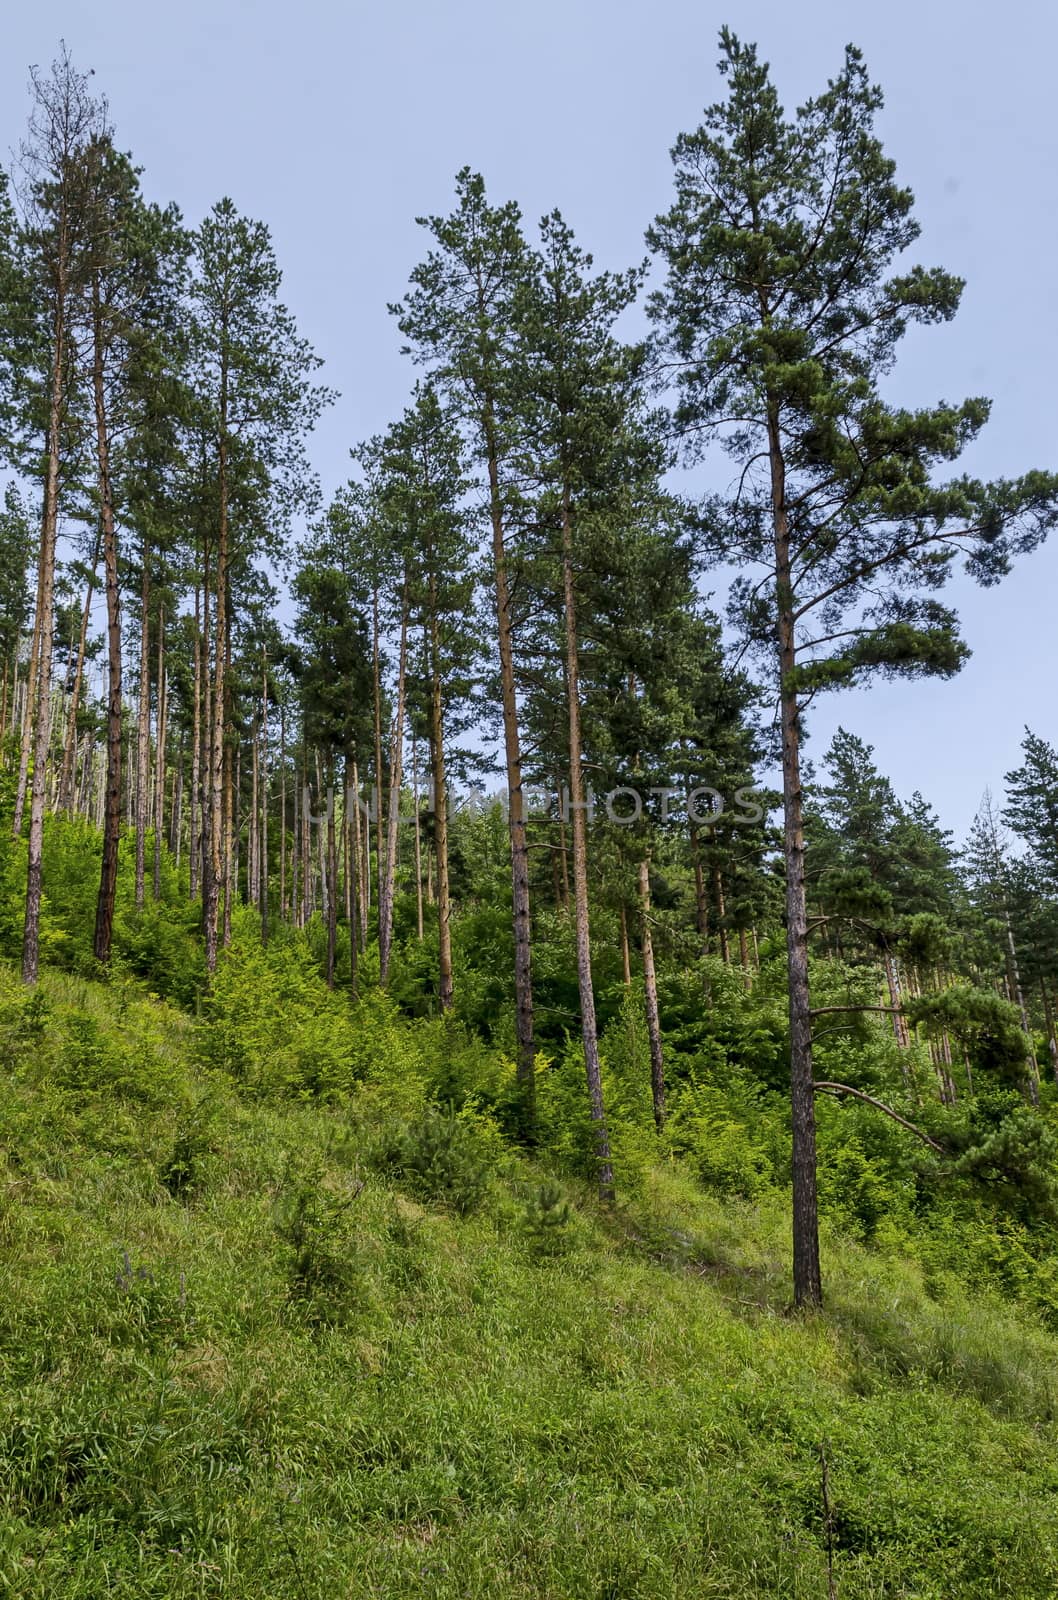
[278, 1383]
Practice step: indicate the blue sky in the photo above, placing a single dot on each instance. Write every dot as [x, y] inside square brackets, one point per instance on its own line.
[338, 124]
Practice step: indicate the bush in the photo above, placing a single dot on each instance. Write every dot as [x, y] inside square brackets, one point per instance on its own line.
[313, 1221]
[445, 1155]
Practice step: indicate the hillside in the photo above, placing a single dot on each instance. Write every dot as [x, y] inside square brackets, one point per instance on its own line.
[255, 1345]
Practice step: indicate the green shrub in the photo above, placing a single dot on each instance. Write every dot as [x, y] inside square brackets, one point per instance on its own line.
[444, 1155]
[546, 1223]
[313, 1220]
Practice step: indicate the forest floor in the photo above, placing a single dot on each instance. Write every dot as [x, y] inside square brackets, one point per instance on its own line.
[248, 1350]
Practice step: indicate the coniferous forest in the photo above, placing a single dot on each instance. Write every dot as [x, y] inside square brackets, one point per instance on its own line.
[487, 1106]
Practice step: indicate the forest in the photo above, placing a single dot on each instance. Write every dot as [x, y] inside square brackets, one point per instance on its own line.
[486, 1107]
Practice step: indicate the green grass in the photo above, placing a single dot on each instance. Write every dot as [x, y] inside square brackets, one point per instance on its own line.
[250, 1349]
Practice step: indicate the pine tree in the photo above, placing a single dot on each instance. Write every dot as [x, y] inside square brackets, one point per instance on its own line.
[426, 490]
[590, 454]
[252, 375]
[783, 312]
[459, 318]
[66, 119]
[1031, 810]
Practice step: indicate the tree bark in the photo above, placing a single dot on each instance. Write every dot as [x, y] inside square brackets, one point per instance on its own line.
[387, 885]
[516, 823]
[808, 1287]
[701, 898]
[143, 727]
[29, 705]
[108, 876]
[39, 712]
[650, 988]
[332, 881]
[418, 836]
[65, 798]
[215, 764]
[439, 777]
[262, 859]
[161, 737]
[589, 1028]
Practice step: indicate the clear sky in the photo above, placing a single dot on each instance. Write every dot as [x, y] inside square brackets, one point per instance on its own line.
[338, 124]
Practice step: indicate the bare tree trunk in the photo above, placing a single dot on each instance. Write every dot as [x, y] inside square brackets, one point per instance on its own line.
[589, 1030]
[262, 863]
[721, 916]
[650, 987]
[29, 706]
[64, 800]
[352, 870]
[176, 823]
[376, 673]
[295, 846]
[439, 781]
[362, 847]
[143, 726]
[229, 851]
[252, 885]
[1052, 1042]
[418, 835]
[808, 1286]
[523, 984]
[46, 611]
[305, 856]
[1019, 996]
[160, 741]
[108, 876]
[215, 766]
[626, 957]
[331, 881]
[282, 812]
[701, 898]
[387, 886]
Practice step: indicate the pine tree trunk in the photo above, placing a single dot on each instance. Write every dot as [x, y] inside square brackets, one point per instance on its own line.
[195, 818]
[232, 774]
[589, 1029]
[161, 734]
[45, 615]
[516, 822]
[332, 882]
[282, 812]
[262, 857]
[376, 674]
[29, 704]
[1033, 1084]
[176, 814]
[563, 854]
[387, 886]
[701, 898]
[352, 870]
[64, 801]
[626, 958]
[439, 778]
[650, 986]
[108, 876]
[362, 850]
[743, 956]
[143, 728]
[418, 836]
[215, 765]
[252, 887]
[808, 1288]
[721, 916]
